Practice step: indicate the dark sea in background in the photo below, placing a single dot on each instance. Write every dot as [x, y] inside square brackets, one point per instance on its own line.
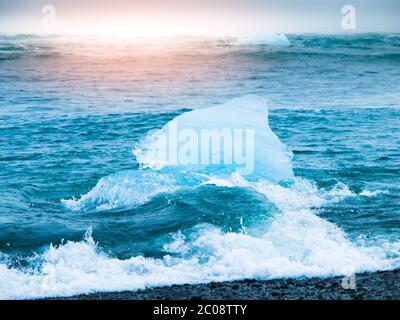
[71, 110]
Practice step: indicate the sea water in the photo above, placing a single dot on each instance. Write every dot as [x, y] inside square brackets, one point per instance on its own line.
[83, 208]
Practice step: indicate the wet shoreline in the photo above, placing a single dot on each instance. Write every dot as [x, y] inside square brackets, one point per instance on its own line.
[376, 286]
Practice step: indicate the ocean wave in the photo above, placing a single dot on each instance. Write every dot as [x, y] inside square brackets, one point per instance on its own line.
[295, 242]
[124, 189]
[259, 44]
[264, 38]
[290, 240]
[20, 46]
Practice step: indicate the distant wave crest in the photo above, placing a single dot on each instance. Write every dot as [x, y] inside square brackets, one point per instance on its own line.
[264, 38]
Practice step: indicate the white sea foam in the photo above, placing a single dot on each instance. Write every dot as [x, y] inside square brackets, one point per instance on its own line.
[369, 194]
[123, 189]
[296, 242]
[264, 38]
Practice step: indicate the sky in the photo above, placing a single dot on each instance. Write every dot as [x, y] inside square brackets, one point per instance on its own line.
[194, 17]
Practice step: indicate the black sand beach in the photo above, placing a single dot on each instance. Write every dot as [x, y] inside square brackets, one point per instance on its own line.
[375, 286]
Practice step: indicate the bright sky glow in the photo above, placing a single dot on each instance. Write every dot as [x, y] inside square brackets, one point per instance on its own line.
[124, 19]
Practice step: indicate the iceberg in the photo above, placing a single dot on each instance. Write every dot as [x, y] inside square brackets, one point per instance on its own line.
[265, 38]
[223, 139]
[199, 145]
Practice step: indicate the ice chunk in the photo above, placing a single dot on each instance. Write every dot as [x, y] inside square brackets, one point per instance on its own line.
[264, 38]
[227, 138]
[169, 163]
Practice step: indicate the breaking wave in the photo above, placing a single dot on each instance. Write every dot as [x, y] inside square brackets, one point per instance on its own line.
[290, 239]
[292, 242]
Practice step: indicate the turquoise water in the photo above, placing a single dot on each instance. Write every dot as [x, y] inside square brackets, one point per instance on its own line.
[71, 111]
